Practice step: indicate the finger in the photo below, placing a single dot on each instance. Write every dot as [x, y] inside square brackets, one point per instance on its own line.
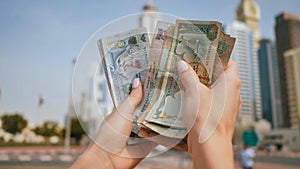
[232, 69]
[116, 128]
[140, 150]
[232, 76]
[189, 78]
[230, 66]
[133, 154]
[127, 107]
[240, 104]
[191, 95]
[121, 118]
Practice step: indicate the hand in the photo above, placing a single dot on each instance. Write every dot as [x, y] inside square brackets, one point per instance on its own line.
[210, 114]
[109, 149]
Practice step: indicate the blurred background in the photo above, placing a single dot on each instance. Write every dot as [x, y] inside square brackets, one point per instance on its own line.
[40, 41]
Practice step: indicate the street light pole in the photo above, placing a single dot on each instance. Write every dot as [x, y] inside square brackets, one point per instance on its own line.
[0, 99]
[298, 139]
[69, 114]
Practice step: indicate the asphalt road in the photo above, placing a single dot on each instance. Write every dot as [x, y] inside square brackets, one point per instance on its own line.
[144, 166]
[276, 160]
[171, 160]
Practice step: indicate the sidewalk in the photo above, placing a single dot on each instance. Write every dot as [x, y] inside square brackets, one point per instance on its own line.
[237, 166]
[279, 154]
[42, 154]
[172, 159]
[181, 160]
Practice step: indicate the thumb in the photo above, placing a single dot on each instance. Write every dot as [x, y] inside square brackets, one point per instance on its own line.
[189, 80]
[191, 95]
[116, 128]
[121, 117]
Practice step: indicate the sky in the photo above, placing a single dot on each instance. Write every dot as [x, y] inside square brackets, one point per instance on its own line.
[39, 39]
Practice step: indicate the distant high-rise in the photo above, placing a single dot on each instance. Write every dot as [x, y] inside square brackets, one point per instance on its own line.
[292, 70]
[269, 82]
[245, 55]
[99, 100]
[287, 30]
[249, 12]
[149, 16]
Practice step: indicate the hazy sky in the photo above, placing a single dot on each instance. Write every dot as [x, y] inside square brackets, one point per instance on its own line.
[39, 39]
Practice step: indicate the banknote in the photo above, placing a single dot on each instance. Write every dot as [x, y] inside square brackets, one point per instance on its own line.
[202, 44]
[166, 109]
[225, 47]
[180, 144]
[166, 130]
[125, 57]
[161, 45]
[154, 62]
[169, 37]
[196, 43]
[160, 53]
[159, 128]
[224, 50]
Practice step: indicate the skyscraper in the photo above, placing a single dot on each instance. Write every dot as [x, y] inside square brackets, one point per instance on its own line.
[99, 100]
[149, 16]
[269, 82]
[249, 12]
[292, 70]
[245, 55]
[287, 30]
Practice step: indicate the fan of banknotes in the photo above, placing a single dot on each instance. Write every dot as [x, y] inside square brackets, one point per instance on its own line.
[132, 54]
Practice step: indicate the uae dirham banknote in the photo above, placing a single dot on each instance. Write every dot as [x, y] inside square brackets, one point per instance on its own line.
[202, 44]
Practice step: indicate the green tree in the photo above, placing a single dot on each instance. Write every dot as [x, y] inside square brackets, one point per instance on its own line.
[13, 123]
[76, 130]
[48, 129]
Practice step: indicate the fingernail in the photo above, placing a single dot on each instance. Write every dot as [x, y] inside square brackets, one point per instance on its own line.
[135, 83]
[182, 66]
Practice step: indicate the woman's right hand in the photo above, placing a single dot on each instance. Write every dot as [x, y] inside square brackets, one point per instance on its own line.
[216, 152]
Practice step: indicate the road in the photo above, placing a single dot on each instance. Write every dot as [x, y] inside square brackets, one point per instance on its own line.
[141, 166]
[42, 158]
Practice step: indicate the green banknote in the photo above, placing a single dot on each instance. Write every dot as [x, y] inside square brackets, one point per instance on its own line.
[159, 52]
[224, 50]
[202, 44]
[196, 43]
[155, 60]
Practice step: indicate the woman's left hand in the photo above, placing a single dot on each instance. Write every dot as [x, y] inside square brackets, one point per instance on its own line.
[109, 149]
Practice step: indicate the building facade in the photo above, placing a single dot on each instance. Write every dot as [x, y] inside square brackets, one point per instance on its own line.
[245, 55]
[269, 83]
[287, 30]
[98, 98]
[282, 139]
[249, 12]
[149, 17]
[292, 71]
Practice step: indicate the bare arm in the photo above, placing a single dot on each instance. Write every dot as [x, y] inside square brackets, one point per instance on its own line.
[217, 151]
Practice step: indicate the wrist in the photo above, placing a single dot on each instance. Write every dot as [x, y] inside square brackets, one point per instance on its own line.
[96, 154]
[215, 153]
[92, 158]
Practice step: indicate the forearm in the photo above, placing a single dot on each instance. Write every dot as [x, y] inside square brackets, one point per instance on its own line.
[93, 158]
[216, 153]
[96, 158]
